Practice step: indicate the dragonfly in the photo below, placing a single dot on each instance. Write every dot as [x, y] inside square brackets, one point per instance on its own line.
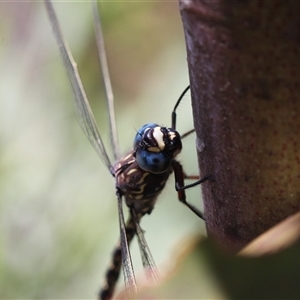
[140, 175]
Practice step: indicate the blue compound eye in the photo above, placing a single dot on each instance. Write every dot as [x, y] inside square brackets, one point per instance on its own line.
[153, 162]
[140, 134]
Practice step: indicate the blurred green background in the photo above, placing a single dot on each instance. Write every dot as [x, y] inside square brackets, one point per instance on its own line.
[58, 211]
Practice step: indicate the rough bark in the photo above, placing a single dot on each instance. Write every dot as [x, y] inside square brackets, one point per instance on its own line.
[244, 67]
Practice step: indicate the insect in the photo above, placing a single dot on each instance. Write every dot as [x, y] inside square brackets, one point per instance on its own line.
[140, 175]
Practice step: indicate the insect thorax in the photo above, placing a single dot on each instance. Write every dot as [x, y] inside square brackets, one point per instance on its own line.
[143, 172]
[139, 187]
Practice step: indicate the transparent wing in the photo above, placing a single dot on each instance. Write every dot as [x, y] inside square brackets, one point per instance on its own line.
[129, 278]
[86, 118]
[147, 259]
[106, 81]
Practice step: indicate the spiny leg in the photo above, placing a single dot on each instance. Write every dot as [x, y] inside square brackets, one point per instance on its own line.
[187, 186]
[174, 116]
[178, 169]
[180, 187]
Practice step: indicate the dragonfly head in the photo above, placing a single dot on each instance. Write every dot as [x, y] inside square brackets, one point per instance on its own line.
[155, 147]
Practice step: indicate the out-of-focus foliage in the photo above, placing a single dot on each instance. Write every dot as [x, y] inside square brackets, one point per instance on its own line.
[58, 211]
[267, 268]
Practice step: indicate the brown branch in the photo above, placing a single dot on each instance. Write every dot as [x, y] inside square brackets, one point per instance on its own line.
[244, 67]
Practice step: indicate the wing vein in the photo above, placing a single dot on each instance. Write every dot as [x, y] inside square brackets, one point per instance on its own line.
[106, 80]
[84, 112]
[129, 278]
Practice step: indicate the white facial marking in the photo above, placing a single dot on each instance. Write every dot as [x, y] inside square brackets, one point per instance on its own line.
[158, 136]
[172, 135]
[153, 149]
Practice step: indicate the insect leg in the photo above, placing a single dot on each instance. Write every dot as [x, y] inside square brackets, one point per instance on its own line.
[180, 187]
[187, 186]
[174, 116]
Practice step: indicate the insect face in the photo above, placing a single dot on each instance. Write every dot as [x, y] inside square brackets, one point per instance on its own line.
[155, 147]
